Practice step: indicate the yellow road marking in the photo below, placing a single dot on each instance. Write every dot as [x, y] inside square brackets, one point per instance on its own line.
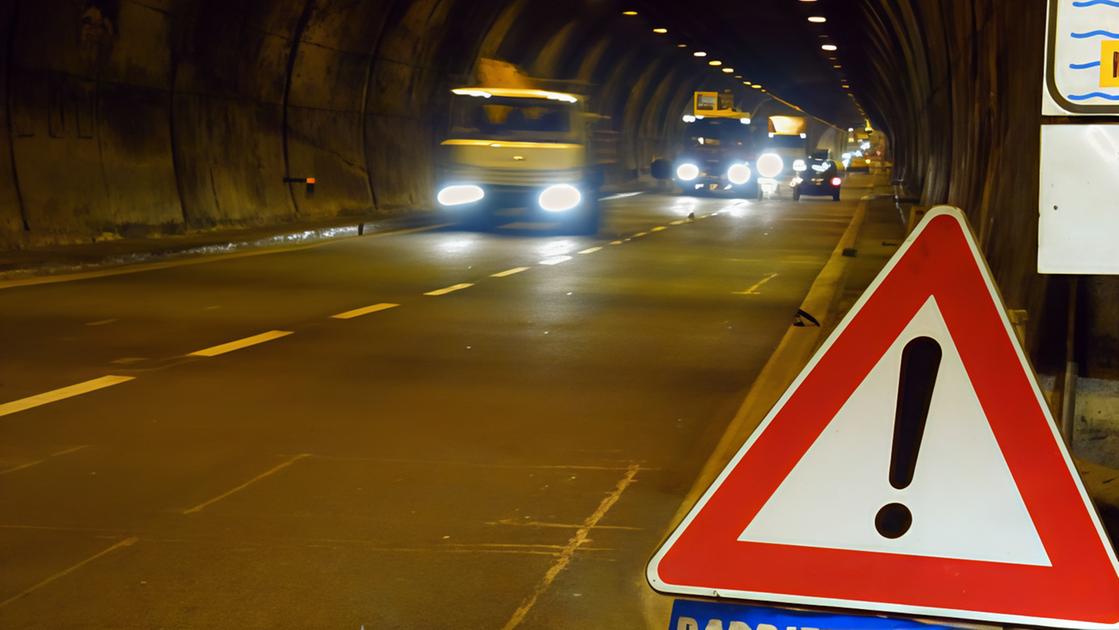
[580, 537]
[659, 228]
[508, 272]
[214, 351]
[679, 222]
[63, 573]
[450, 289]
[365, 310]
[590, 250]
[640, 234]
[268, 473]
[616, 242]
[753, 290]
[62, 393]
[65, 451]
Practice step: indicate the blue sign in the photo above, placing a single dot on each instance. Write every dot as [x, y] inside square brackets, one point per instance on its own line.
[705, 615]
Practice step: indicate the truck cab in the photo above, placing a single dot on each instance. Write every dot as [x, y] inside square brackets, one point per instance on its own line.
[715, 156]
[517, 154]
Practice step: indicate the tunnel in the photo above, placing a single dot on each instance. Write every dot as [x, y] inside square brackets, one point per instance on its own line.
[126, 123]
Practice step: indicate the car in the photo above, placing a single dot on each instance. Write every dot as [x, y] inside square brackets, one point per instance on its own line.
[819, 177]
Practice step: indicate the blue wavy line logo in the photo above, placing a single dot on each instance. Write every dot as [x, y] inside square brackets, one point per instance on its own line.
[1084, 66]
[1084, 97]
[1096, 33]
[1091, 3]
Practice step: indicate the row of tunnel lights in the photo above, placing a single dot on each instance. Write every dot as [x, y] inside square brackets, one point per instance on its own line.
[831, 50]
[828, 47]
[714, 63]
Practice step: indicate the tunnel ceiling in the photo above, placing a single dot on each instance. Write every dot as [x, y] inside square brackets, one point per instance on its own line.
[771, 42]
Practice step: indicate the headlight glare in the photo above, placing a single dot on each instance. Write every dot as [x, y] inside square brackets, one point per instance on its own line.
[687, 171]
[560, 197]
[459, 195]
[739, 174]
[800, 166]
[770, 165]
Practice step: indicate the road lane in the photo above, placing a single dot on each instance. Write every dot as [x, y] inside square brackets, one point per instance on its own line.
[425, 465]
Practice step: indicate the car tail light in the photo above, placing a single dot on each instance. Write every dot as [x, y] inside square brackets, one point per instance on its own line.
[835, 181]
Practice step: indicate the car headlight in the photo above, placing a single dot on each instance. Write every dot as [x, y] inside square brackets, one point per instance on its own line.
[459, 195]
[800, 166]
[687, 172]
[738, 174]
[770, 165]
[560, 197]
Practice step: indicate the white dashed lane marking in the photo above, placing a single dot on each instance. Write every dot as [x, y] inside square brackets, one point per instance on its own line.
[224, 348]
[365, 310]
[590, 250]
[450, 289]
[62, 393]
[555, 260]
[509, 272]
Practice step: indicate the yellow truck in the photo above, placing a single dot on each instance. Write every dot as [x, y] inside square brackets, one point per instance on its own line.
[519, 154]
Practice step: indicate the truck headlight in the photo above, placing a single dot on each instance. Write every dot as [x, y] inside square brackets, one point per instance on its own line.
[460, 195]
[770, 165]
[687, 172]
[560, 197]
[739, 174]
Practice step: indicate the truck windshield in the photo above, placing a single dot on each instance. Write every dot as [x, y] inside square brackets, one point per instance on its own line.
[781, 141]
[718, 132]
[516, 118]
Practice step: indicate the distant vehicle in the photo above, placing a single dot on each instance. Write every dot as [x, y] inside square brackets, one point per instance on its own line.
[818, 177]
[519, 154]
[786, 148]
[715, 154]
[859, 164]
[715, 159]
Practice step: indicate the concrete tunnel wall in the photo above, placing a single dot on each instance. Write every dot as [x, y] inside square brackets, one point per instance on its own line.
[956, 86]
[135, 118]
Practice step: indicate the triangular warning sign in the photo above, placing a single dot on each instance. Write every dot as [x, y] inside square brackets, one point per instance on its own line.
[912, 467]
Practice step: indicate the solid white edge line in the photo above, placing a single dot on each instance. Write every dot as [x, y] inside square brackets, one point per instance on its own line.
[246, 342]
[62, 393]
[590, 250]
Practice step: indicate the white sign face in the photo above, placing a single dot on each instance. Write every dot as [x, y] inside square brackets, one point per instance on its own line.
[1082, 58]
[964, 500]
[1079, 200]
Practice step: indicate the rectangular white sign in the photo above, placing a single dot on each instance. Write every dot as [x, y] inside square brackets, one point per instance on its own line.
[1078, 231]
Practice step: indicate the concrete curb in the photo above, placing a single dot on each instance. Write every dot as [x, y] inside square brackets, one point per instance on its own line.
[792, 354]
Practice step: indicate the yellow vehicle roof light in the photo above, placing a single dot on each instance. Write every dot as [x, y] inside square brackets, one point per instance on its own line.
[488, 92]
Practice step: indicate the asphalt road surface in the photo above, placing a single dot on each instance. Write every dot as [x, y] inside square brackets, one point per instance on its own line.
[431, 429]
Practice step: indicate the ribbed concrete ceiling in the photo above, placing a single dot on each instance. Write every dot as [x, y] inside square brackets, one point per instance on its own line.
[771, 42]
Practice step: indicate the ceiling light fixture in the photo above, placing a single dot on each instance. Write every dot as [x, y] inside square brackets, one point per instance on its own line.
[699, 53]
[829, 47]
[660, 31]
[817, 19]
[629, 13]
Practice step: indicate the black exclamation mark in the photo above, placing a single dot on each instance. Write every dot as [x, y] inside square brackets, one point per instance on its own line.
[1115, 65]
[920, 362]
